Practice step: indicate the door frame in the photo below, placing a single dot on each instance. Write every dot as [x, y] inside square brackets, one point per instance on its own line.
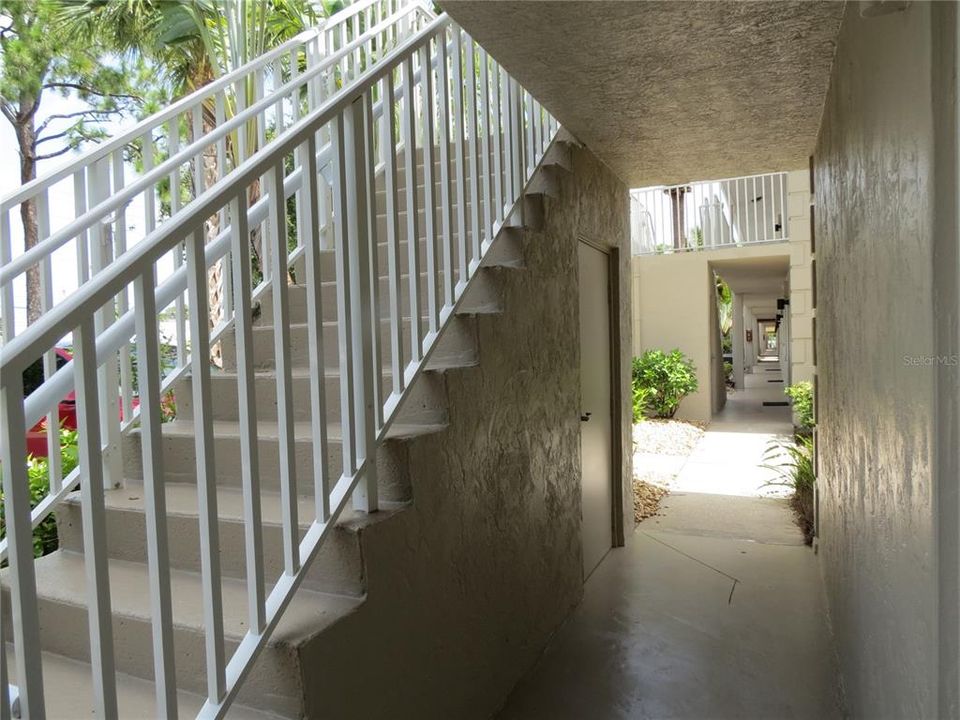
[612, 253]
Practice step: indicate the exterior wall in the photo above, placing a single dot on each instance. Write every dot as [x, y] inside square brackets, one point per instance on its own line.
[467, 584]
[672, 310]
[801, 277]
[886, 246]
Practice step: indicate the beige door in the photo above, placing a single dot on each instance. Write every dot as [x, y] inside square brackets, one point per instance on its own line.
[596, 422]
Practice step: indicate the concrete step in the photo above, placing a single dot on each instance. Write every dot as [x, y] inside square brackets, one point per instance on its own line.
[274, 682]
[427, 401]
[483, 297]
[532, 219]
[338, 567]
[180, 459]
[299, 348]
[68, 695]
[456, 342]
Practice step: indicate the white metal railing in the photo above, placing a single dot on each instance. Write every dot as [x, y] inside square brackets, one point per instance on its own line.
[436, 104]
[287, 82]
[709, 214]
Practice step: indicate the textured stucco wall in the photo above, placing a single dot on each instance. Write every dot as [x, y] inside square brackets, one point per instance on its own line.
[467, 584]
[801, 276]
[881, 401]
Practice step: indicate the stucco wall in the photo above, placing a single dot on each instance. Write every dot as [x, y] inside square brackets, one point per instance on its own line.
[467, 584]
[880, 267]
[801, 276]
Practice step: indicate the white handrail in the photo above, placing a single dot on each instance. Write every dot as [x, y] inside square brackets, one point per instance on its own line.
[149, 179]
[135, 132]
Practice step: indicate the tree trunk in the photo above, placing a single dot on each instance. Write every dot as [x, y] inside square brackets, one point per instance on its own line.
[26, 140]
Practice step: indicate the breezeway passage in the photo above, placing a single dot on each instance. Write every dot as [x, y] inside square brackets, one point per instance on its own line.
[715, 610]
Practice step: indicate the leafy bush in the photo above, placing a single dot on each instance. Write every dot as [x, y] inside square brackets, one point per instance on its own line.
[45, 538]
[641, 395]
[794, 467]
[801, 394]
[666, 378]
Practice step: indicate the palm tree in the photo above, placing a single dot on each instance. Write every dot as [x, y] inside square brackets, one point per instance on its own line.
[193, 42]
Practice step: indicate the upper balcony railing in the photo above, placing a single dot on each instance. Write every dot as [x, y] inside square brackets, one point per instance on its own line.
[710, 214]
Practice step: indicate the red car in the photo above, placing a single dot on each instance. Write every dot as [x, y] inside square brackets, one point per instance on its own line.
[32, 379]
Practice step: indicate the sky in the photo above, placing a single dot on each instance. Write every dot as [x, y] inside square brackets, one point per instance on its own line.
[61, 201]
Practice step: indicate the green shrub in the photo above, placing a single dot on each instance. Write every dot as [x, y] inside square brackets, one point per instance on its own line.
[640, 397]
[666, 378]
[794, 468]
[45, 538]
[801, 394]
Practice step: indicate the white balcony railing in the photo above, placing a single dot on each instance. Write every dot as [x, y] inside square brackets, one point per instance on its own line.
[710, 214]
[435, 95]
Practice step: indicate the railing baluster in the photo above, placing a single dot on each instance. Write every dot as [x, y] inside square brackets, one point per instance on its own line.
[6, 692]
[155, 506]
[446, 202]
[529, 149]
[206, 469]
[517, 112]
[488, 211]
[246, 395]
[196, 117]
[80, 207]
[8, 327]
[281, 345]
[429, 190]
[21, 578]
[318, 402]
[54, 466]
[783, 207]
[95, 559]
[509, 138]
[496, 128]
[393, 233]
[102, 256]
[344, 305]
[475, 212]
[461, 160]
[373, 266]
[365, 493]
[123, 299]
[408, 123]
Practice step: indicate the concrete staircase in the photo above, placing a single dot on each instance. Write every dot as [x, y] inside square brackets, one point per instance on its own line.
[336, 584]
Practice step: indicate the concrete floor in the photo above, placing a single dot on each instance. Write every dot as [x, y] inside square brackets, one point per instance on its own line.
[713, 610]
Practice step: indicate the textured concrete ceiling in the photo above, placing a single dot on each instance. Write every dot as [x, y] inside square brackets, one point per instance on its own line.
[755, 275]
[668, 92]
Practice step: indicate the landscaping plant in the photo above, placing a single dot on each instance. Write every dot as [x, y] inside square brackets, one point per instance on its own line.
[45, 538]
[801, 394]
[665, 379]
[793, 463]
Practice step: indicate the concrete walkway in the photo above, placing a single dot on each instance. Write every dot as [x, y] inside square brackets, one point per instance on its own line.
[714, 609]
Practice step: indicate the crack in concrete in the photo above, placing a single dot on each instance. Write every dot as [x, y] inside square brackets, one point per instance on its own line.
[700, 562]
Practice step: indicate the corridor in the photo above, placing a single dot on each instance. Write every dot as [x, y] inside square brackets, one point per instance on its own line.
[715, 609]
